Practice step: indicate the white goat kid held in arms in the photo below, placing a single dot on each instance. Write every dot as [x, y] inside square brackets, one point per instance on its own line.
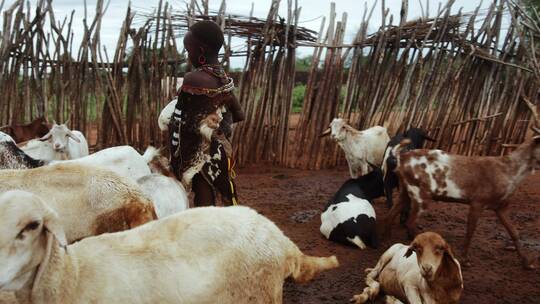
[203, 255]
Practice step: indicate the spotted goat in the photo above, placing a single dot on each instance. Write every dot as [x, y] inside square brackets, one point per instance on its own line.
[482, 182]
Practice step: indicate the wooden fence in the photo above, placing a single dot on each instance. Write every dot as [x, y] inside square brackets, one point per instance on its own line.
[461, 76]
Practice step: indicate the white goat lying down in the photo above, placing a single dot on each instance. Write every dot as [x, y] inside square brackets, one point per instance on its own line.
[361, 147]
[203, 255]
[89, 200]
[65, 144]
[424, 272]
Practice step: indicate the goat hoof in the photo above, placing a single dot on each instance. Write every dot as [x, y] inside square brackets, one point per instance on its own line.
[529, 263]
[510, 247]
[358, 299]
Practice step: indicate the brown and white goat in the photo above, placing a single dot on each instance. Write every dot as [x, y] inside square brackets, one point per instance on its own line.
[20, 133]
[482, 182]
[423, 272]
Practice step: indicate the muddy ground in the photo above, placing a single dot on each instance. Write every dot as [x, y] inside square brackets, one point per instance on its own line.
[294, 199]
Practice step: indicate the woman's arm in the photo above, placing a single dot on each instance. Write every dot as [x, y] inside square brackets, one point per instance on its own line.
[236, 109]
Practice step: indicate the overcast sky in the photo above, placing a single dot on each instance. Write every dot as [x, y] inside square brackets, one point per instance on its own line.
[311, 14]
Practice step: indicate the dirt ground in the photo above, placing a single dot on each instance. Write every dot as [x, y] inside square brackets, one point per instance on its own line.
[294, 199]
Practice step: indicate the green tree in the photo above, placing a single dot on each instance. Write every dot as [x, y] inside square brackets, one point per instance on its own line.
[303, 64]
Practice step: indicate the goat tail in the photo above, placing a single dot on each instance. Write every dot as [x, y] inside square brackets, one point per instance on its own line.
[306, 267]
[150, 154]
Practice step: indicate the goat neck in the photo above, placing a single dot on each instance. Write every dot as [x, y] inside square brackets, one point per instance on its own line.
[520, 163]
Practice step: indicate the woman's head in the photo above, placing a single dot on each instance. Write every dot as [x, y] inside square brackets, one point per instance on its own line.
[203, 42]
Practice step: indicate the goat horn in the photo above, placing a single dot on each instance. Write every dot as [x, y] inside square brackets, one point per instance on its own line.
[54, 122]
[326, 132]
[67, 121]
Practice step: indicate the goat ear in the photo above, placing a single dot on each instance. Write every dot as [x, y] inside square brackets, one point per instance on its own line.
[326, 132]
[409, 252]
[449, 268]
[72, 136]
[51, 224]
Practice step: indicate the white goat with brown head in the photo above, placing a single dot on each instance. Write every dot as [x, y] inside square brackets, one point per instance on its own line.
[423, 272]
[482, 182]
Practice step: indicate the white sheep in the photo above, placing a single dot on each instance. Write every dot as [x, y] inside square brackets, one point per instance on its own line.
[89, 200]
[203, 255]
[424, 272]
[361, 147]
[168, 194]
[122, 160]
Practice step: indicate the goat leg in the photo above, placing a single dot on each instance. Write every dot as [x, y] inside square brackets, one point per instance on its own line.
[502, 214]
[412, 208]
[388, 193]
[475, 211]
[385, 226]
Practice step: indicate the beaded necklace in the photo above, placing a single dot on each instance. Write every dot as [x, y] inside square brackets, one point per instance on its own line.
[215, 70]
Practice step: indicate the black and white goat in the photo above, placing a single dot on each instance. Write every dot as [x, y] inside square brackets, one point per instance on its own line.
[11, 157]
[349, 216]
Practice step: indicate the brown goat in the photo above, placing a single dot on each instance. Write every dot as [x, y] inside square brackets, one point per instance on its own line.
[20, 133]
[479, 181]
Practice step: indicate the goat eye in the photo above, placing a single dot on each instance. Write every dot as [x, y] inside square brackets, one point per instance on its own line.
[29, 227]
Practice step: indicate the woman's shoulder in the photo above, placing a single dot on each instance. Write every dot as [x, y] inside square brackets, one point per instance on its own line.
[200, 79]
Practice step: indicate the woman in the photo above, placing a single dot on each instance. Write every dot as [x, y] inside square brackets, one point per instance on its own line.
[201, 127]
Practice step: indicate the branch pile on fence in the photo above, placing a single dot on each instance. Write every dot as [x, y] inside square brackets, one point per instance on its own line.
[458, 76]
[119, 93]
